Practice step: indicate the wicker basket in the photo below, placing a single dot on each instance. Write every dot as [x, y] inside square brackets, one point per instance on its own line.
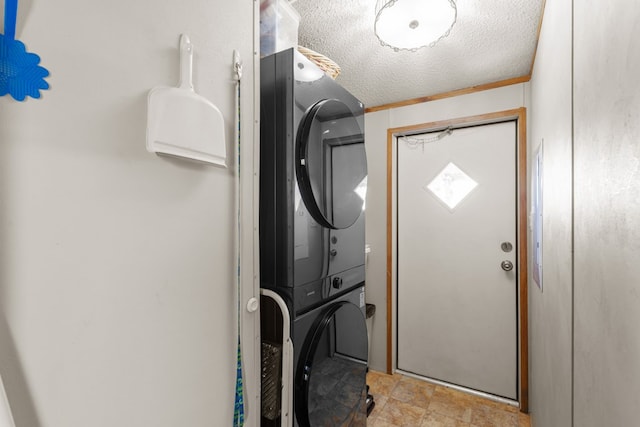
[325, 64]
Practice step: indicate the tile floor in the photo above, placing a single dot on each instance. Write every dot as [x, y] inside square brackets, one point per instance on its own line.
[404, 401]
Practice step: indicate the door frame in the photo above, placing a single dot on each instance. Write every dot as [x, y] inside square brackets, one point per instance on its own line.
[519, 116]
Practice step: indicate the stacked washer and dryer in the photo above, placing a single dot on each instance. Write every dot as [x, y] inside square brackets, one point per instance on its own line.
[313, 177]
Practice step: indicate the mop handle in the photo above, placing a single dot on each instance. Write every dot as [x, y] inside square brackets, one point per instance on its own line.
[238, 413]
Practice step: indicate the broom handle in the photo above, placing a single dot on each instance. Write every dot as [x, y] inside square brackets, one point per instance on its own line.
[10, 15]
[186, 63]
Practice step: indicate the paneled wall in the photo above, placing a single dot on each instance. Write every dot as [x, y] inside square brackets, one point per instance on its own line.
[607, 213]
[550, 308]
[117, 280]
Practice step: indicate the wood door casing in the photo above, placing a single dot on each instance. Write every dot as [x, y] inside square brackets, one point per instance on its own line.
[519, 115]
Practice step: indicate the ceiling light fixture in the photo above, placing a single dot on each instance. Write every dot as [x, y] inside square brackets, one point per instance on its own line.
[413, 24]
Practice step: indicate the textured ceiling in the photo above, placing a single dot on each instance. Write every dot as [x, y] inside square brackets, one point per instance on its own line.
[492, 40]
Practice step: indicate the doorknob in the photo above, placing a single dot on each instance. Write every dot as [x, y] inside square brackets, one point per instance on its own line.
[506, 265]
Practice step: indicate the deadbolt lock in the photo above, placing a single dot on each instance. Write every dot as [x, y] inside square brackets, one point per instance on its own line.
[506, 265]
[506, 246]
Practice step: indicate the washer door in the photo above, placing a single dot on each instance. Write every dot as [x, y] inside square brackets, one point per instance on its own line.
[331, 164]
[331, 376]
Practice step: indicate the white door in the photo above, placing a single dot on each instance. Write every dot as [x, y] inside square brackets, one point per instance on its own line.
[457, 303]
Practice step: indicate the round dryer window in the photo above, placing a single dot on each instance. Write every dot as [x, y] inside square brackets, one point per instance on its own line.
[331, 164]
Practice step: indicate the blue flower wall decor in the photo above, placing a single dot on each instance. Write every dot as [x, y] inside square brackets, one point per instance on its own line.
[20, 74]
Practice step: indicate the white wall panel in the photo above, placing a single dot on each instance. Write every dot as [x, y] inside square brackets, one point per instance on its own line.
[607, 206]
[117, 285]
[550, 309]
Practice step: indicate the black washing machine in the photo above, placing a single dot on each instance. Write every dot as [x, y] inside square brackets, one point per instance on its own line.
[330, 372]
[313, 178]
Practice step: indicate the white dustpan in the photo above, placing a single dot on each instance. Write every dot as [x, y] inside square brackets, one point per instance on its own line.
[182, 123]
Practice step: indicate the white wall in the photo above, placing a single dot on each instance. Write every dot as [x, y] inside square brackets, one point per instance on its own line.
[117, 285]
[607, 212]
[585, 320]
[550, 309]
[376, 125]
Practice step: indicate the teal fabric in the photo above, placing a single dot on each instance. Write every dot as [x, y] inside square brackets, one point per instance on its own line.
[238, 413]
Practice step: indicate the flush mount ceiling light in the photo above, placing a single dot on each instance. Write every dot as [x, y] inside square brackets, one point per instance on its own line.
[413, 24]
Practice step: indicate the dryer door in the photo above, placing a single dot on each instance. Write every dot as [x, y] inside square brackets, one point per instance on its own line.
[331, 164]
[331, 376]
